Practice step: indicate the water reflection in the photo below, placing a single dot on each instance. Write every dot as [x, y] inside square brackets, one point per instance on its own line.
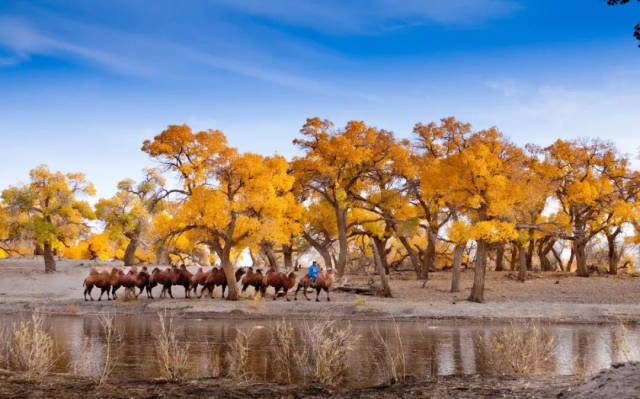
[430, 349]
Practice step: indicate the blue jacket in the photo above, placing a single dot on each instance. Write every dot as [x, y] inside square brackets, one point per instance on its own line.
[313, 271]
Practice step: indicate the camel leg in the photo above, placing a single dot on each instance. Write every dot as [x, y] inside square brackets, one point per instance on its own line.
[88, 291]
[286, 291]
[328, 298]
[295, 296]
[170, 294]
[318, 289]
[101, 292]
[304, 292]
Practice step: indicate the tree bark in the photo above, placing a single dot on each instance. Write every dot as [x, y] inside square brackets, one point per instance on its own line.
[543, 250]
[500, 257]
[571, 258]
[386, 290]
[227, 267]
[287, 254]
[271, 257]
[429, 259]
[581, 257]
[514, 257]
[458, 251]
[341, 216]
[382, 253]
[130, 252]
[529, 252]
[522, 269]
[477, 291]
[613, 255]
[413, 255]
[49, 260]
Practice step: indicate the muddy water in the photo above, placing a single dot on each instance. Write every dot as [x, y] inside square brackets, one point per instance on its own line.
[431, 348]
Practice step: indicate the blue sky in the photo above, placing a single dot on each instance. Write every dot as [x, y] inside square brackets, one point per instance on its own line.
[83, 83]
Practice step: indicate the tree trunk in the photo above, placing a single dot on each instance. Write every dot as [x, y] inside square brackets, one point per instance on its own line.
[529, 252]
[558, 258]
[477, 291]
[522, 269]
[429, 259]
[271, 257]
[571, 258]
[341, 216]
[386, 290]
[413, 255]
[287, 254]
[382, 253]
[130, 252]
[581, 257]
[37, 250]
[227, 266]
[545, 265]
[613, 255]
[49, 260]
[514, 257]
[458, 251]
[500, 257]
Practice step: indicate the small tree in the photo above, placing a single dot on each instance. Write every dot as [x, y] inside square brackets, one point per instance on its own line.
[48, 210]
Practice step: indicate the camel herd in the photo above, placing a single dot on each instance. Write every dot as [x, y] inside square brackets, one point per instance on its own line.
[110, 281]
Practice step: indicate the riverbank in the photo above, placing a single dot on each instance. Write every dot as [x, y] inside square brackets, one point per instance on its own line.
[13, 386]
[546, 297]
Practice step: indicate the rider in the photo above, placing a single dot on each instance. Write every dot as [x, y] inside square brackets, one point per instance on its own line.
[314, 269]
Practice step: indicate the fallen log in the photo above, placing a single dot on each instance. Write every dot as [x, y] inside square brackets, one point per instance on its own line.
[357, 289]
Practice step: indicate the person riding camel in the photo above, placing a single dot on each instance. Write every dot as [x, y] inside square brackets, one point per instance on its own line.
[314, 269]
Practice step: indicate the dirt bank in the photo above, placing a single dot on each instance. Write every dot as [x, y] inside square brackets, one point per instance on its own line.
[621, 381]
[13, 386]
[554, 297]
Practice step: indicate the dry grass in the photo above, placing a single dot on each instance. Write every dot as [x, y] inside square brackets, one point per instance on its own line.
[390, 353]
[519, 349]
[173, 356]
[360, 301]
[322, 357]
[283, 341]
[31, 350]
[238, 355]
[110, 345]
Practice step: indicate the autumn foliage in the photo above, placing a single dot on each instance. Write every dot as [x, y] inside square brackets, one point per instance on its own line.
[446, 196]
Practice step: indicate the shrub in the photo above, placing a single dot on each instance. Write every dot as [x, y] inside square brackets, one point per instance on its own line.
[31, 349]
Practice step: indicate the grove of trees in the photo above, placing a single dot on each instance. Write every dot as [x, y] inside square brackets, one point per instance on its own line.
[360, 197]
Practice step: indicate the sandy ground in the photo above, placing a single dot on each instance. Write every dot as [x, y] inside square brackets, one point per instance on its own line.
[556, 297]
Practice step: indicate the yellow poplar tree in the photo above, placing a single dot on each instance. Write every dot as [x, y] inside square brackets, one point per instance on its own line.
[584, 175]
[49, 210]
[229, 194]
[334, 165]
[479, 181]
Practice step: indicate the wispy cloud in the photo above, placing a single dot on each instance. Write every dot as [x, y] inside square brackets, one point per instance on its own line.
[374, 16]
[143, 56]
